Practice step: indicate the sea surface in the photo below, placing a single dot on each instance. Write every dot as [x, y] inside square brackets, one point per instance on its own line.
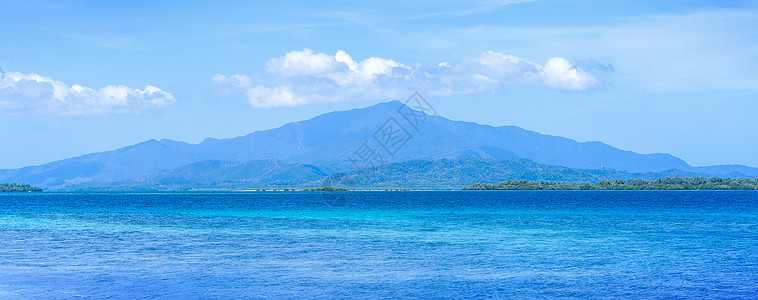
[374, 245]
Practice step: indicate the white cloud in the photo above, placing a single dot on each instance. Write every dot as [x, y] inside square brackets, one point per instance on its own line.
[559, 73]
[696, 50]
[32, 93]
[302, 77]
[303, 62]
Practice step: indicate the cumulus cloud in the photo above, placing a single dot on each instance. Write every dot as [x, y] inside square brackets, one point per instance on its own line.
[559, 73]
[32, 93]
[302, 77]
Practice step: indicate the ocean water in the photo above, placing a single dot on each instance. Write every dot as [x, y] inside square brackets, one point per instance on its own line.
[374, 245]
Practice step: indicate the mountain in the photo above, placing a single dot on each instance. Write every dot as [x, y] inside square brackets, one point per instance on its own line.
[222, 173]
[418, 174]
[727, 169]
[122, 164]
[330, 139]
[454, 173]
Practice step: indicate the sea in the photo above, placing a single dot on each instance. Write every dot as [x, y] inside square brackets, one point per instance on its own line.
[380, 245]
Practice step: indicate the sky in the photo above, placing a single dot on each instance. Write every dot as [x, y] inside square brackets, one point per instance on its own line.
[678, 77]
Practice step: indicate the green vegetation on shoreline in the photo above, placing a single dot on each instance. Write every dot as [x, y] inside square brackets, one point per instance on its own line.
[668, 183]
[18, 187]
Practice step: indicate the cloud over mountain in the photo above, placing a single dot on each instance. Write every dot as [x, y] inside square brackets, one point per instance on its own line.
[302, 77]
[32, 93]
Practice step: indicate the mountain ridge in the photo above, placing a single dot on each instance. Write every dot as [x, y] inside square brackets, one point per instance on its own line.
[416, 174]
[330, 139]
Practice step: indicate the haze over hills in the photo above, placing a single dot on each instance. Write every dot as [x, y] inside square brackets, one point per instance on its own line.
[310, 149]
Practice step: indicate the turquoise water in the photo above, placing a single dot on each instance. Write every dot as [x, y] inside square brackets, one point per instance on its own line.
[474, 244]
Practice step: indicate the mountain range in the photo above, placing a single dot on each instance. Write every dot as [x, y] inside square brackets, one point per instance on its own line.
[384, 137]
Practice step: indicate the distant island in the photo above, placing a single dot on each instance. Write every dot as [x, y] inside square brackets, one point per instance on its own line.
[667, 183]
[325, 189]
[18, 187]
[443, 154]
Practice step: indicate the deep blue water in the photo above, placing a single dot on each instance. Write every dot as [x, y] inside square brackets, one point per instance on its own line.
[462, 244]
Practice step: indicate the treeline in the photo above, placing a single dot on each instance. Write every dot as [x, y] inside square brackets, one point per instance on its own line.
[668, 183]
[18, 187]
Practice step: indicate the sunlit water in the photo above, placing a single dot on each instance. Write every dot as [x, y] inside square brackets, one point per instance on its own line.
[476, 244]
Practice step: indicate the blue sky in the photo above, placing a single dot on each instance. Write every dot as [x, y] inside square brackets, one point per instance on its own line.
[679, 77]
